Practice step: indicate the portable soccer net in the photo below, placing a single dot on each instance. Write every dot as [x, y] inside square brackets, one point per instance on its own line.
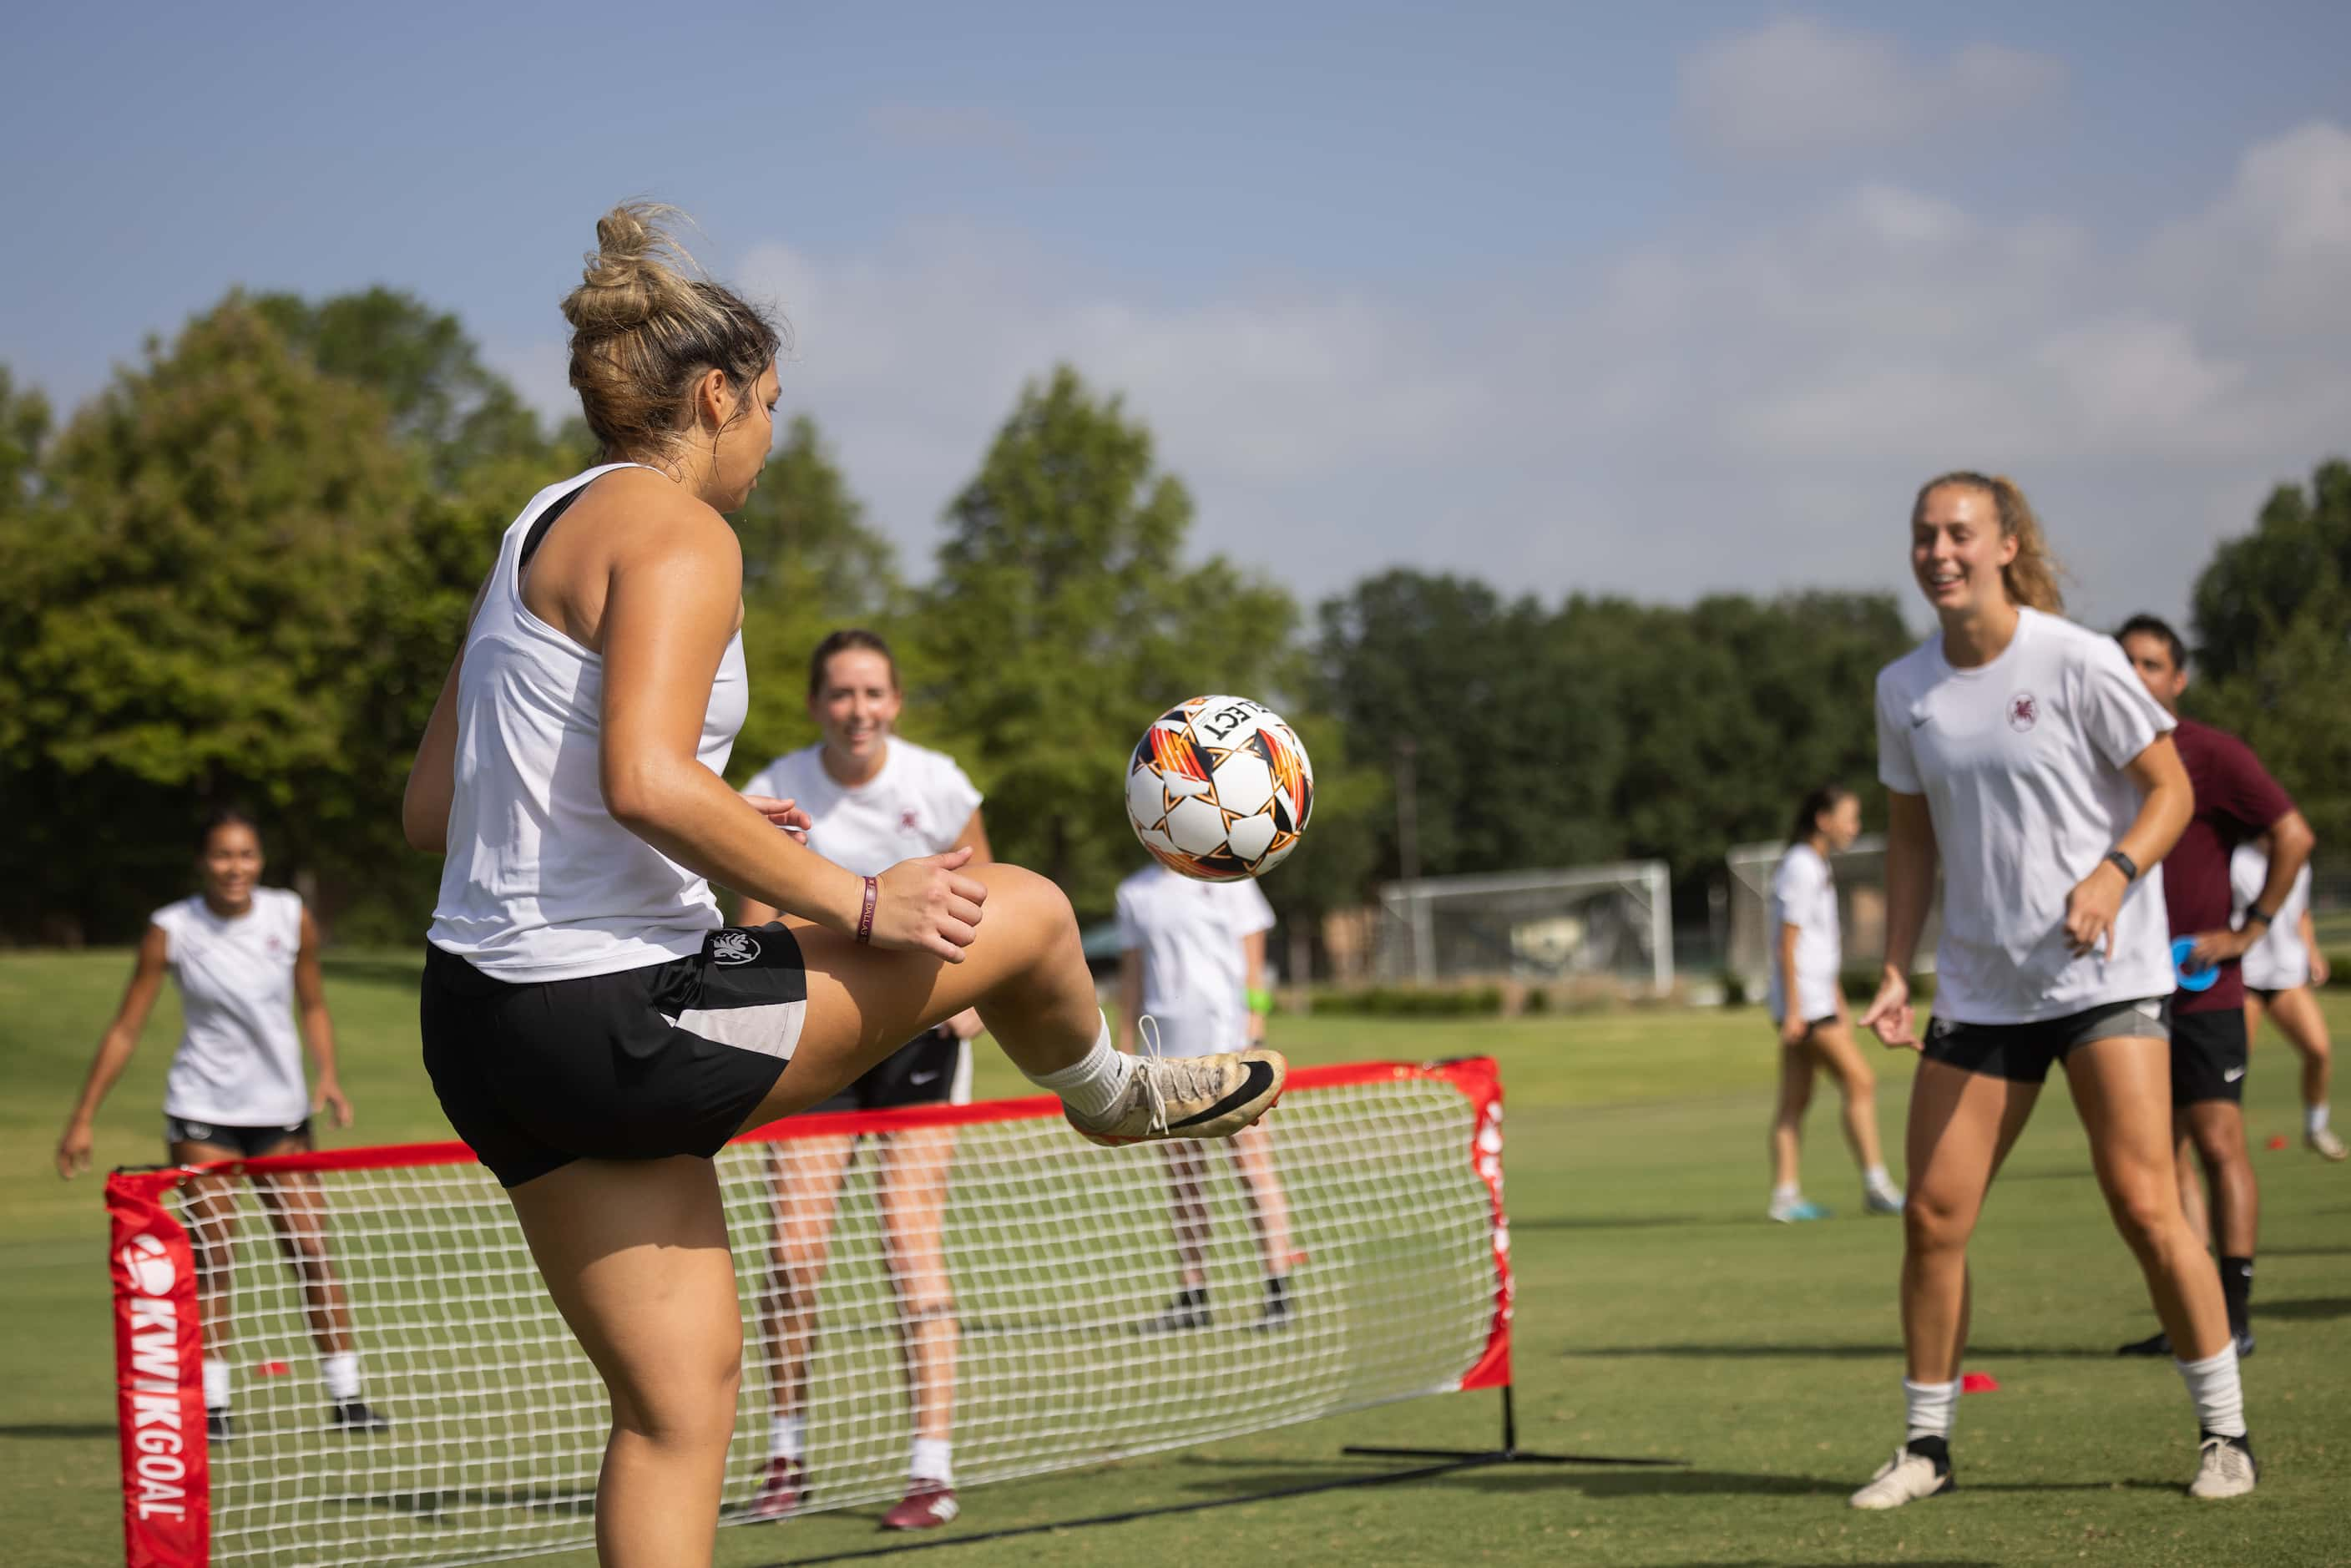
[1059, 1255]
[1605, 921]
[1860, 874]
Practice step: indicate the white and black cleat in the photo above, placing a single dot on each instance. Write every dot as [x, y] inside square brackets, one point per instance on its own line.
[2224, 1468]
[1920, 1467]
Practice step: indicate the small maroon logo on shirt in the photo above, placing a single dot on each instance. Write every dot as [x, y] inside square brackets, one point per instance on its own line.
[908, 820]
[2024, 712]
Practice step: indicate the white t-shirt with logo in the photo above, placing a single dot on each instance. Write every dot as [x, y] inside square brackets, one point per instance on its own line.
[1803, 894]
[2021, 762]
[2279, 961]
[1195, 978]
[240, 1061]
[917, 805]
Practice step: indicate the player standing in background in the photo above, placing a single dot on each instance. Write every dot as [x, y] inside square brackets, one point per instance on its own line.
[872, 800]
[592, 1031]
[2280, 969]
[1807, 1007]
[2021, 750]
[2236, 801]
[243, 956]
[1192, 973]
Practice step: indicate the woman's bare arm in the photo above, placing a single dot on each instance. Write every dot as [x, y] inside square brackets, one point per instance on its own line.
[114, 1049]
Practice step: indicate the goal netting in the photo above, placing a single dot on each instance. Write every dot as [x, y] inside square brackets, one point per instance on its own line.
[1537, 927]
[1860, 874]
[1059, 1253]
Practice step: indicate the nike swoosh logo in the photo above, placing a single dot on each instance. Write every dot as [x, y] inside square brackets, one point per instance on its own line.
[920, 1077]
[1918, 721]
[1260, 1079]
[2232, 1075]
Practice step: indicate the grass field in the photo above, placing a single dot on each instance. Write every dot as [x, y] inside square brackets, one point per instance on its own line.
[1658, 1316]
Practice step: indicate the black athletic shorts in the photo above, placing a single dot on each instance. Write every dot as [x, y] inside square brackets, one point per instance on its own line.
[2023, 1053]
[2209, 1055]
[925, 1071]
[642, 1064]
[247, 1141]
[2265, 994]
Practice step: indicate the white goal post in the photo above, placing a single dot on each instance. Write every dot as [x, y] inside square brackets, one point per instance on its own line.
[1532, 926]
[1059, 1253]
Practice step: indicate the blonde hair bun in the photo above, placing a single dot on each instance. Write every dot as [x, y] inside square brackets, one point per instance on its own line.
[637, 271]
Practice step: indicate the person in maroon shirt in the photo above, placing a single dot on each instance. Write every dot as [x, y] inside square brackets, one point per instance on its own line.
[2236, 801]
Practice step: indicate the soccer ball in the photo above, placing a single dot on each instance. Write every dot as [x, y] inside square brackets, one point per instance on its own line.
[1220, 788]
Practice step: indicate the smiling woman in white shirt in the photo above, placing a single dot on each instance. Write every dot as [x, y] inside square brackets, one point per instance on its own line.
[873, 800]
[1808, 1008]
[243, 956]
[2022, 751]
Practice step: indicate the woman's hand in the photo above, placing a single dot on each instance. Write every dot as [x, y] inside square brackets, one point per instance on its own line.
[924, 905]
[2319, 968]
[784, 814]
[1793, 1029]
[1890, 1015]
[329, 1096]
[73, 1149]
[2091, 907]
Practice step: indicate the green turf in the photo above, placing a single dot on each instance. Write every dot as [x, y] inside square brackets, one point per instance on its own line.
[1657, 1316]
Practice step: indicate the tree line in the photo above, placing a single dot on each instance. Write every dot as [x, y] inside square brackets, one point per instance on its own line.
[239, 573]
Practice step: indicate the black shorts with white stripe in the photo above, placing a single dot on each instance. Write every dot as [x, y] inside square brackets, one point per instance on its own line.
[641, 1064]
[928, 1069]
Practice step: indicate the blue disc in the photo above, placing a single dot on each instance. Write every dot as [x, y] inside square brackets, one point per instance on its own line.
[2197, 979]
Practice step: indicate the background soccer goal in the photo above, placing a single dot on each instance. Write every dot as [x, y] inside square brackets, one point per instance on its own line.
[1060, 1251]
[1860, 872]
[1533, 926]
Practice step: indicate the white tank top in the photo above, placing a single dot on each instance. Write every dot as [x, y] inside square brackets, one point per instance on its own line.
[540, 883]
[239, 1062]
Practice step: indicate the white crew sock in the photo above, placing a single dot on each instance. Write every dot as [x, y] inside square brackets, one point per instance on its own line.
[2313, 1118]
[341, 1372]
[1877, 1179]
[2219, 1395]
[218, 1381]
[1933, 1407]
[788, 1437]
[934, 1461]
[1787, 1193]
[1094, 1084]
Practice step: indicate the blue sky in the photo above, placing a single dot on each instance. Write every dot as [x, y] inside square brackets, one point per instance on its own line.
[1647, 300]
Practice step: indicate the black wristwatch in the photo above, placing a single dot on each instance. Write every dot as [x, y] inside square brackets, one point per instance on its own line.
[2122, 863]
[2258, 913]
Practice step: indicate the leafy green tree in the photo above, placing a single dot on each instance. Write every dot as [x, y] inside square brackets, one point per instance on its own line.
[216, 522]
[1064, 617]
[811, 565]
[2300, 548]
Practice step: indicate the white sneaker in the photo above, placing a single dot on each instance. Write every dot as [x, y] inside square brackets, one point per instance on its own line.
[1882, 1199]
[2324, 1143]
[1909, 1476]
[2224, 1468]
[1189, 1097]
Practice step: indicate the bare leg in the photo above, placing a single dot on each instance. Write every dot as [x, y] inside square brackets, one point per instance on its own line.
[1962, 1126]
[914, 1197]
[1269, 1205]
[806, 1174]
[1187, 1213]
[210, 1215]
[1026, 975]
[2191, 1186]
[2299, 1020]
[2122, 1090]
[1833, 1043]
[634, 1256]
[1788, 1119]
[2216, 1127]
[298, 1205]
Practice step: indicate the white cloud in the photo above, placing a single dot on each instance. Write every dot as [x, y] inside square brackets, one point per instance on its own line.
[1798, 85]
[1746, 412]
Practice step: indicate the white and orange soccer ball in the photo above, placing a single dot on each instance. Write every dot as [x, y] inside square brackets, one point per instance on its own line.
[1220, 788]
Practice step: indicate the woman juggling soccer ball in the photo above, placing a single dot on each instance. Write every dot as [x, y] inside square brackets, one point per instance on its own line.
[244, 958]
[872, 800]
[2023, 753]
[593, 1030]
[1806, 1002]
